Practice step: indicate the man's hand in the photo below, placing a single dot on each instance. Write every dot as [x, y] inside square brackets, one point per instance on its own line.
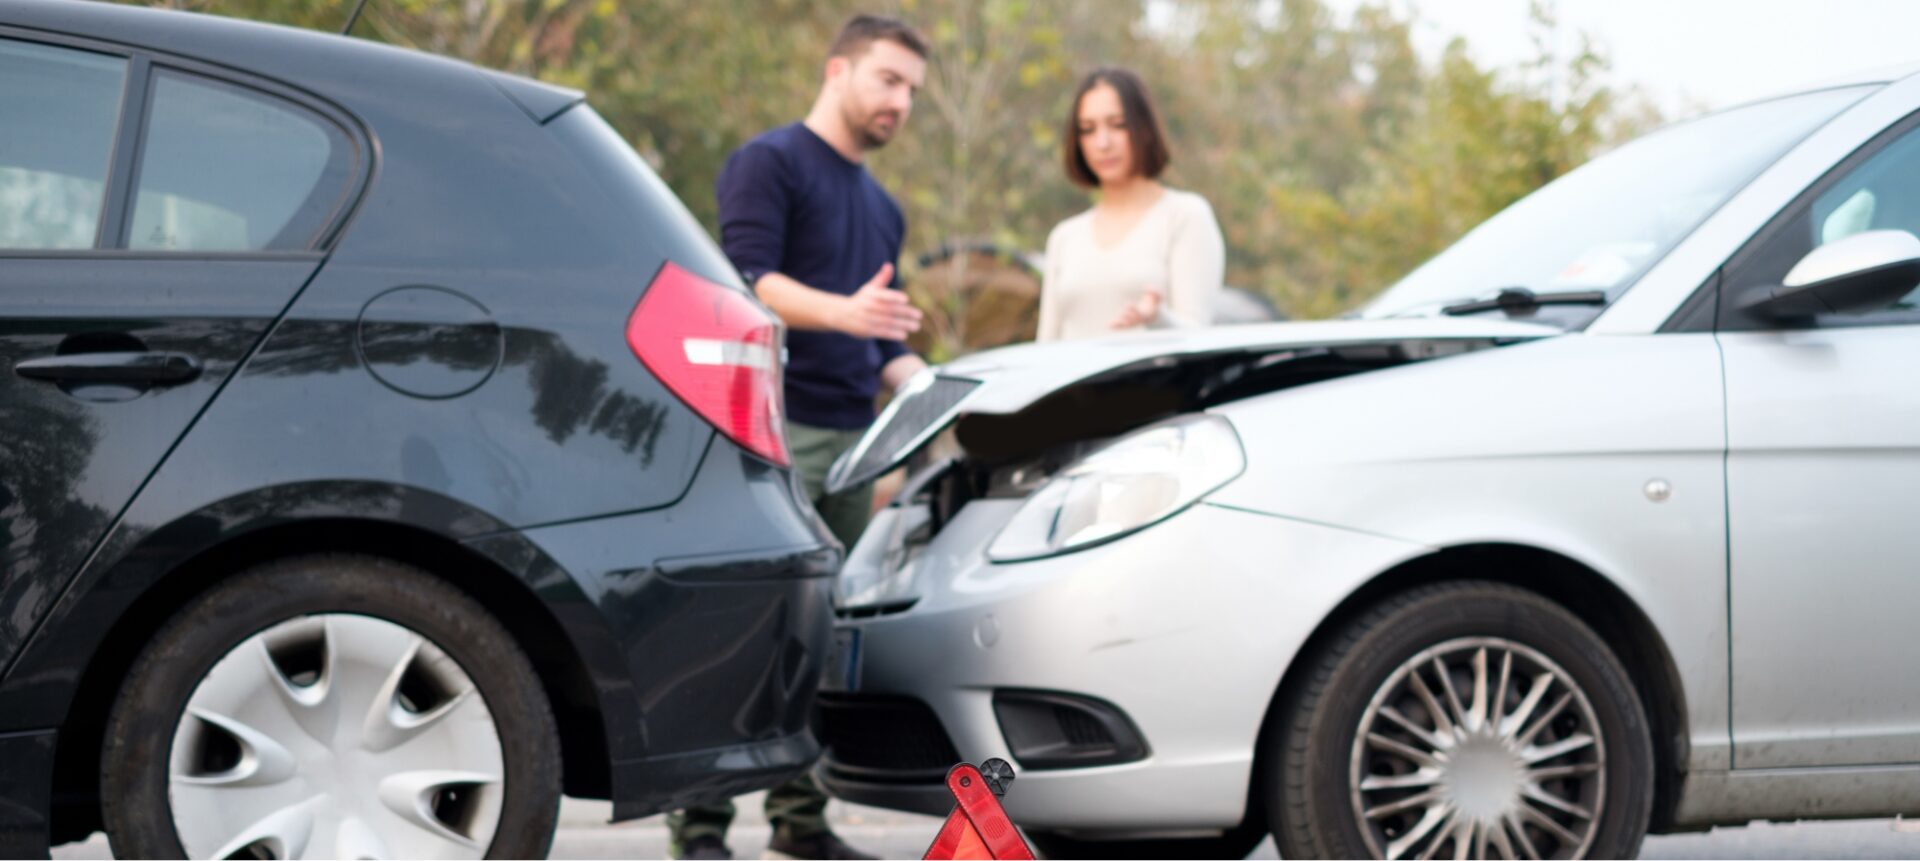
[878, 311]
[900, 370]
[1140, 312]
[873, 311]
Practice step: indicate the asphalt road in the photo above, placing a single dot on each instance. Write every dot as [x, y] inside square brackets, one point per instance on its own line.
[584, 834]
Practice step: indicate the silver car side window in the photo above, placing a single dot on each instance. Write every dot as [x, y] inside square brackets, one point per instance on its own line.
[1877, 189]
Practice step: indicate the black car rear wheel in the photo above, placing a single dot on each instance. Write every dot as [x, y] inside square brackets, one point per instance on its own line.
[331, 706]
[1461, 720]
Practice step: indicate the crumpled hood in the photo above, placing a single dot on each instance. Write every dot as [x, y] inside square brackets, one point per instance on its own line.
[1007, 380]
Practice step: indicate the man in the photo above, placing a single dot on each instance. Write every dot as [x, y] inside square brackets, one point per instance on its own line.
[817, 238]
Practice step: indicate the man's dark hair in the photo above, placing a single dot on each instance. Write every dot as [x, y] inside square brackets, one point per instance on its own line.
[1150, 154]
[861, 31]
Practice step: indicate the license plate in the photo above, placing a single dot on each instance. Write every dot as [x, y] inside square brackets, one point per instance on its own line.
[843, 666]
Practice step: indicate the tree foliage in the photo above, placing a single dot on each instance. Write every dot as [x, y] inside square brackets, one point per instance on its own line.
[1334, 157]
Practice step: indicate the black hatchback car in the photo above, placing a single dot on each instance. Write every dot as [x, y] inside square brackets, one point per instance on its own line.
[384, 451]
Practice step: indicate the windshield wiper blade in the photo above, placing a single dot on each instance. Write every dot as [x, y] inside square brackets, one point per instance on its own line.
[1515, 299]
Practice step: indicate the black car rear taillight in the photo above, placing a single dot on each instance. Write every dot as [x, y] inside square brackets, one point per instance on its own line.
[719, 351]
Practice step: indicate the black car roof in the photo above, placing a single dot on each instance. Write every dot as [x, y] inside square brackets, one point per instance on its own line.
[326, 63]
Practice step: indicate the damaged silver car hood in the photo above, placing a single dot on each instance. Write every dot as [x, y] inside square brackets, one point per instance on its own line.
[1007, 380]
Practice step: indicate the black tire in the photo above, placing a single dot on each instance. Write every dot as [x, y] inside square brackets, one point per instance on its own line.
[1236, 843]
[140, 729]
[1306, 767]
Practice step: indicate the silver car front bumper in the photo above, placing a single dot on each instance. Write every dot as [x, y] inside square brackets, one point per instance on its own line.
[1186, 627]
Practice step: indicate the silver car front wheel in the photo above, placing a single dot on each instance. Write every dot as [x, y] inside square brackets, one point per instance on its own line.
[1481, 747]
[1459, 719]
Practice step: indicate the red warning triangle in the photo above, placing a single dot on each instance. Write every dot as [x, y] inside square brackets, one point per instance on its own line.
[978, 827]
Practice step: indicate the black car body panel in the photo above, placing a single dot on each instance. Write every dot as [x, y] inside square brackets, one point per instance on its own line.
[722, 664]
[74, 463]
[441, 374]
[26, 791]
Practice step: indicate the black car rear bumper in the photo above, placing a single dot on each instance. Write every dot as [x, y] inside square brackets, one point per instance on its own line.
[648, 786]
[704, 626]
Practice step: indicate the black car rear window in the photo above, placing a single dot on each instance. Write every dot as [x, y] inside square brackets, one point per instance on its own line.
[227, 169]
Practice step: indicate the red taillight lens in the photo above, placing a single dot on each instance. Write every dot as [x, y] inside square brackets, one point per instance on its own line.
[719, 351]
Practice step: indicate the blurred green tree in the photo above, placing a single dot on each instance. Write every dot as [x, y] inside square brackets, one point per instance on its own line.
[1334, 157]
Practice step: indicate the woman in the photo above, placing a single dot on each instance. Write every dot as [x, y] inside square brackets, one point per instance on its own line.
[1145, 255]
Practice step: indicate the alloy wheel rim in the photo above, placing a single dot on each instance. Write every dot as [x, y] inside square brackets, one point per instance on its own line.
[336, 736]
[1479, 747]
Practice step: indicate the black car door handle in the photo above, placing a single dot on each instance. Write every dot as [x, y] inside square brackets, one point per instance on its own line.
[153, 369]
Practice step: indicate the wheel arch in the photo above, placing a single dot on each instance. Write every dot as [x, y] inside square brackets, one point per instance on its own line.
[1576, 587]
[554, 652]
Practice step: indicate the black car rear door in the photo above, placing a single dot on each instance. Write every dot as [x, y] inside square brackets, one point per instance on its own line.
[155, 221]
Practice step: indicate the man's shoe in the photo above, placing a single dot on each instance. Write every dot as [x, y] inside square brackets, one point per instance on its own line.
[706, 846]
[823, 846]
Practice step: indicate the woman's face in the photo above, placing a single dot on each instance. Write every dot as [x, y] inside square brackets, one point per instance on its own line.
[1104, 141]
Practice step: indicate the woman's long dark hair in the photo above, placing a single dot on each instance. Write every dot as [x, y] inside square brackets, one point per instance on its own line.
[1150, 155]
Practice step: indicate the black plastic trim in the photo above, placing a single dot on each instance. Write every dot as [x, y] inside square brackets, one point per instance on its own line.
[895, 739]
[816, 560]
[1033, 724]
[1701, 311]
[1808, 303]
[931, 798]
[126, 148]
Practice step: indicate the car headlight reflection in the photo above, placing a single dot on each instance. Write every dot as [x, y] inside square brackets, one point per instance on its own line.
[1131, 483]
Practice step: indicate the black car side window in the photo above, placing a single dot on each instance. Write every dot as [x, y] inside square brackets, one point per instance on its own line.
[58, 110]
[226, 169]
[1878, 189]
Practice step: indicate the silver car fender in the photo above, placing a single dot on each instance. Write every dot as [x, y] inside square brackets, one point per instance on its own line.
[1607, 451]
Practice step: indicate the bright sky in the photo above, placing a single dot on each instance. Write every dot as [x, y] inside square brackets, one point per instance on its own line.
[1688, 54]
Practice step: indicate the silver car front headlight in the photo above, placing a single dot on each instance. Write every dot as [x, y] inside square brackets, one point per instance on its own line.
[1129, 484]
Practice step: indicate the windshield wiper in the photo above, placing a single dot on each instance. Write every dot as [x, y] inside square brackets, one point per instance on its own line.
[1516, 299]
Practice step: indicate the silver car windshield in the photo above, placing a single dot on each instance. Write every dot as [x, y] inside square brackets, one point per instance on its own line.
[1603, 225]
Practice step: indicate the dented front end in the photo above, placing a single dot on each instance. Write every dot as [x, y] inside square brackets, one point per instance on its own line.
[981, 435]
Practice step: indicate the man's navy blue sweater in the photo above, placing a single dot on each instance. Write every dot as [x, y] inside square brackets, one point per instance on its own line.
[789, 203]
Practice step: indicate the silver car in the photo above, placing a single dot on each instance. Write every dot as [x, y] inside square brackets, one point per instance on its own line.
[1604, 521]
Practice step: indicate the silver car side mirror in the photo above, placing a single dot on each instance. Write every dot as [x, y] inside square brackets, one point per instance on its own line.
[1861, 273]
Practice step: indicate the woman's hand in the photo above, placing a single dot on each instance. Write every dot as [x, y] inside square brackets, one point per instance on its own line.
[1141, 312]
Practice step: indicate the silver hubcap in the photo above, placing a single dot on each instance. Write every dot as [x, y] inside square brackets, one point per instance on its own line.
[336, 736]
[1478, 748]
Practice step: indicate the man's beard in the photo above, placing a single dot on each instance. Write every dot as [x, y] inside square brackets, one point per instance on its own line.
[866, 132]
